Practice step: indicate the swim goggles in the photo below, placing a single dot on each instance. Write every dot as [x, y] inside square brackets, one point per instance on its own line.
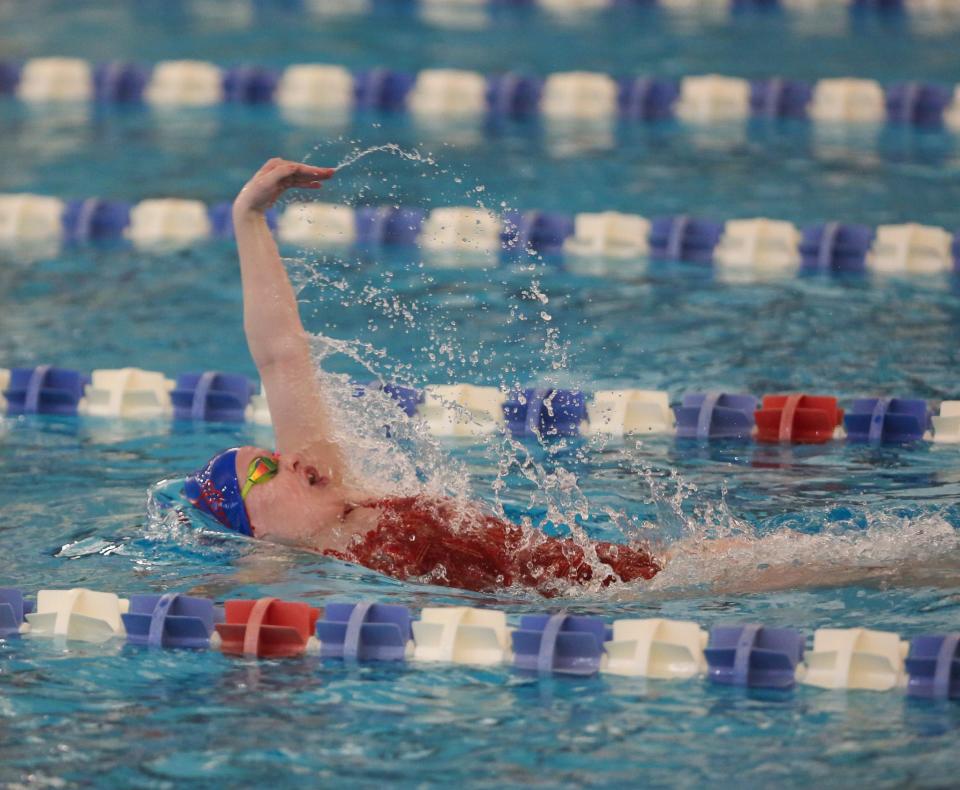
[262, 469]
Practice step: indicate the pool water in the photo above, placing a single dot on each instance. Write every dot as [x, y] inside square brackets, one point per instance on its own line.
[837, 535]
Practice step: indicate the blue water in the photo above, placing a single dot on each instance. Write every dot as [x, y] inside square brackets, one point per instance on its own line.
[838, 535]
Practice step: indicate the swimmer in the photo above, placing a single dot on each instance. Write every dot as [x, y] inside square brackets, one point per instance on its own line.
[300, 495]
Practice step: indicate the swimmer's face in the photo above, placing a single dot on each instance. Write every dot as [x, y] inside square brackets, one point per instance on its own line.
[299, 505]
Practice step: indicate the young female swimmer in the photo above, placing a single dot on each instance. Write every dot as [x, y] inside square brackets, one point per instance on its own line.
[299, 494]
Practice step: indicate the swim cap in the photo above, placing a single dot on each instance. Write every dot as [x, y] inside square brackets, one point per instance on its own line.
[215, 490]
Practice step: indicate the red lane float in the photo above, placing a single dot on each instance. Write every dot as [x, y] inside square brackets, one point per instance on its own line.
[267, 628]
[798, 418]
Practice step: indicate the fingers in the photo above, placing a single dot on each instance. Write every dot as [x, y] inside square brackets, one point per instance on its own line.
[283, 168]
[270, 164]
[320, 174]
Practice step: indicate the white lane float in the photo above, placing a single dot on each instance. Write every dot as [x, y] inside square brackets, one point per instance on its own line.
[579, 96]
[258, 412]
[951, 113]
[28, 219]
[847, 100]
[461, 635]
[462, 410]
[315, 86]
[854, 658]
[911, 248]
[461, 229]
[711, 98]
[758, 245]
[184, 83]
[129, 393]
[4, 383]
[609, 234]
[78, 614]
[317, 225]
[448, 93]
[168, 223]
[56, 80]
[946, 425]
[630, 411]
[656, 648]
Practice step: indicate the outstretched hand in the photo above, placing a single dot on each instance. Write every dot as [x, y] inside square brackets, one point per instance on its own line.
[273, 179]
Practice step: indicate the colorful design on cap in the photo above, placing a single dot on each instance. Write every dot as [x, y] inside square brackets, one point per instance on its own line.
[215, 490]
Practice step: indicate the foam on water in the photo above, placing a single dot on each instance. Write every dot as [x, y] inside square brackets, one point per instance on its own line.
[891, 550]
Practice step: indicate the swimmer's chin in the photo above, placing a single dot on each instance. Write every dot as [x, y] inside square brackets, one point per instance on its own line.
[354, 521]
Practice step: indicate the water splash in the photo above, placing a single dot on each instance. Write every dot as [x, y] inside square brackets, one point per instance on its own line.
[391, 148]
[444, 350]
[390, 453]
[892, 549]
[396, 454]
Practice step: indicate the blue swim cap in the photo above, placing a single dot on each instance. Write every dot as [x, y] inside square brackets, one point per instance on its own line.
[215, 490]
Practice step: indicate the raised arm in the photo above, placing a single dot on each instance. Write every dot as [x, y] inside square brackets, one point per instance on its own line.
[278, 342]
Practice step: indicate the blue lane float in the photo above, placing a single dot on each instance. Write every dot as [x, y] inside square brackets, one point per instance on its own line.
[119, 82]
[95, 220]
[170, 620]
[917, 104]
[754, 656]
[684, 238]
[9, 76]
[513, 95]
[536, 232]
[382, 89]
[365, 631]
[835, 247]
[212, 395]
[250, 84]
[388, 225]
[220, 216]
[45, 390]
[934, 666]
[13, 610]
[407, 398]
[647, 98]
[559, 644]
[893, 420]
[715, 415]
[780, 98]
[545, 412]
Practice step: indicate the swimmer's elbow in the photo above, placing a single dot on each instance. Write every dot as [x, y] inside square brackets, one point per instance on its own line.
[289, 351]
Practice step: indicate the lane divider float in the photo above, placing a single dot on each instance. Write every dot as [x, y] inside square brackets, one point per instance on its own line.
[266, 628]
[471, 13]
[749, 655]
[318, 91]
[468, 410]
[478, 237]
